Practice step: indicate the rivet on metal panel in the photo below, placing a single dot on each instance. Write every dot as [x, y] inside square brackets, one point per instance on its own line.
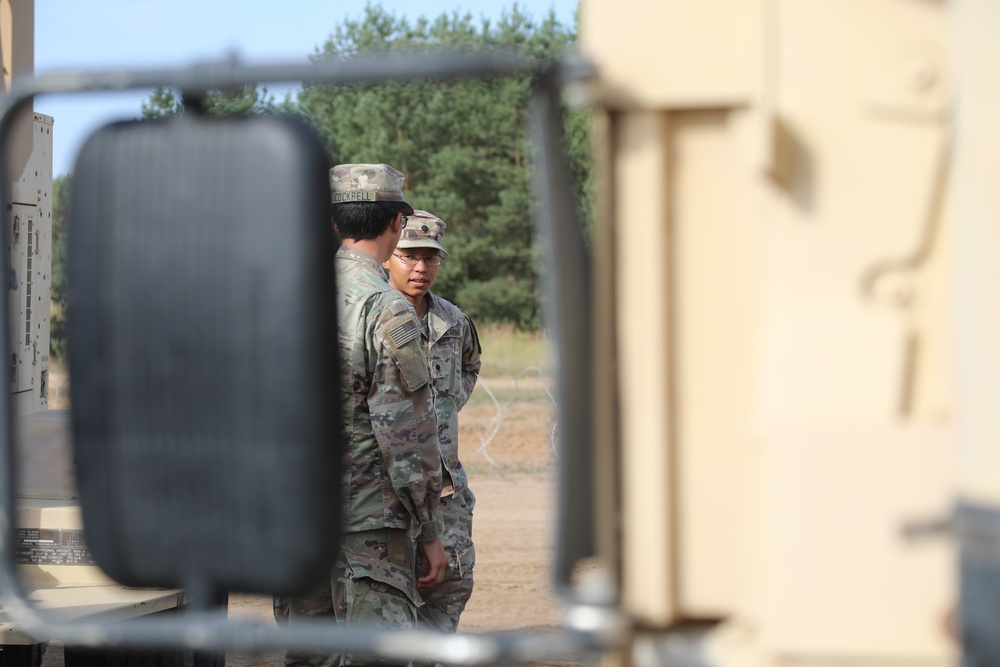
[897, 289]
[911, 85]
[922, 74]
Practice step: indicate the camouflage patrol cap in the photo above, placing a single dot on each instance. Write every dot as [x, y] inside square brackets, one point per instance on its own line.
[367, 183]
[422, 230]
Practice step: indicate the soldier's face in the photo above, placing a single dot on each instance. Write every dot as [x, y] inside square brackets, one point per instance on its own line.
[416, 280]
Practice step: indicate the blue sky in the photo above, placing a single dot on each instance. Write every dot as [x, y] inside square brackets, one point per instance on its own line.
[151, 33]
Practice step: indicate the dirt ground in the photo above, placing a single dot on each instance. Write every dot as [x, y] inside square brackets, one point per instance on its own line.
[508, 451]
[513, 535]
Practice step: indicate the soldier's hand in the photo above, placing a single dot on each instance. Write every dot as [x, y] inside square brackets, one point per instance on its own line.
[435, 562]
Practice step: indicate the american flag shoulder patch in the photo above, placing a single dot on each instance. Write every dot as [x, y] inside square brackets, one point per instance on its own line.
[404, 332]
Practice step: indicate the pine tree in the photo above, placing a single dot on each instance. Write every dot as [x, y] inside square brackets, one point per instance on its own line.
[462, 145]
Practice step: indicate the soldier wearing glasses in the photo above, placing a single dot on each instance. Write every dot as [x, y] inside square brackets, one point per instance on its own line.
[392, 474]
[453, 348]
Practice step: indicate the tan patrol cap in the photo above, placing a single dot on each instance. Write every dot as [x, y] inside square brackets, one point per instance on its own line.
[367, 183]
[422, 230]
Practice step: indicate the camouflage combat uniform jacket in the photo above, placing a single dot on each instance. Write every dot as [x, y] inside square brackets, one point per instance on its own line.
[454, 352]
[392, 463]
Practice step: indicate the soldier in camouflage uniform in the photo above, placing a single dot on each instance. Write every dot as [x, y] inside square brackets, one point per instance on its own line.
[454, 351]
[392, 475]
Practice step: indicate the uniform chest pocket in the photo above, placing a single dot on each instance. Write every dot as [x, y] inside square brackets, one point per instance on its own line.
[446, 360]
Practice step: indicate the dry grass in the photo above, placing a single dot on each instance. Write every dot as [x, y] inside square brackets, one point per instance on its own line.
[507, 351]
[58, 385]
[507, 424]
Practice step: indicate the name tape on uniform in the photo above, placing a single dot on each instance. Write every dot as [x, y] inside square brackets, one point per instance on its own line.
[354, 195]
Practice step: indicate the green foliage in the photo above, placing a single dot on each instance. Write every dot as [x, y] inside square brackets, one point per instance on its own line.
[165, 103]
[57, 317]
[508, 351]
[462, 145]
[503, 299]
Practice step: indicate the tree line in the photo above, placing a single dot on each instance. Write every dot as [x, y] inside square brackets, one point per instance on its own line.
[463, 146]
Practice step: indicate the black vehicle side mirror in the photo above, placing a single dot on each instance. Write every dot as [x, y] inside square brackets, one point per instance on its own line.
[202, 353]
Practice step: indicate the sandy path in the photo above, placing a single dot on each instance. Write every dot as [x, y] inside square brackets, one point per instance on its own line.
[513, 526]
[513, 533]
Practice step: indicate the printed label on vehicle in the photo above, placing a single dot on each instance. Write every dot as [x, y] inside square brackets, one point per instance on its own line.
[51, 546]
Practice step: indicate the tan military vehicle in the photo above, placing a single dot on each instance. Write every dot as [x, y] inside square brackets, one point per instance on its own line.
[777, 360]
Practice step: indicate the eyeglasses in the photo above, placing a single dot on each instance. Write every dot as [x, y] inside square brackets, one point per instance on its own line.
[412, 260]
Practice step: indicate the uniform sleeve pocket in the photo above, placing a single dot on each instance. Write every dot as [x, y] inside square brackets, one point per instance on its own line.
[392, 425]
